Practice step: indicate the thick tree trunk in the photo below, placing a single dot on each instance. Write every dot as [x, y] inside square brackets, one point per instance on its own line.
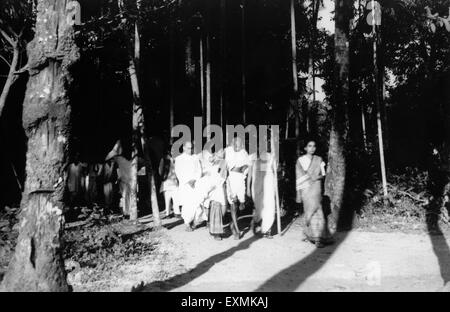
[336, 175]
[37, 264]
[11, 77]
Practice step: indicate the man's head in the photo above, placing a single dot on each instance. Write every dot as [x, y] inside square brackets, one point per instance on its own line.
[187, 148]
[237, 144]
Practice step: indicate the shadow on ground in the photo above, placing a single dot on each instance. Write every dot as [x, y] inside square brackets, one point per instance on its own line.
[203, 267]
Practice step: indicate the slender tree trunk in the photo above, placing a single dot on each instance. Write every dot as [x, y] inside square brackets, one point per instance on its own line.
[222, 65]
[137, 122]
[138, 140]
[336, 176]
[12, 77]
[171, 78]
[311, 62]
[208, 84]
[243, 65]
[378, 107]
[294, 72]
[37, 264]
[202, 77]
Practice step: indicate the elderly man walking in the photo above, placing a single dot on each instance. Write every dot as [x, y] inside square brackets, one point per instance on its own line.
[188, 172]
[237, 160]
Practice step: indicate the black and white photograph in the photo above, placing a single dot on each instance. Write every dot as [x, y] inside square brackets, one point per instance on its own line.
[224, 150]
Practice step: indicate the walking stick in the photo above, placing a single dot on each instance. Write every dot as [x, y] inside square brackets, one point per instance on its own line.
[277, 199]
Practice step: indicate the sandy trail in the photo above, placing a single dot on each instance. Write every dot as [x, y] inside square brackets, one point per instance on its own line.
[358, 261]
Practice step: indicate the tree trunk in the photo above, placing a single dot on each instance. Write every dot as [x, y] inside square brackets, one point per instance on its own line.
[336, 175]
[139, 132]
[222, 65]
[171, 77]
[202, 76]
[11, 77]
[37, 264]
[208, 84]
[243, 65]
[311, 64]
[295, 95]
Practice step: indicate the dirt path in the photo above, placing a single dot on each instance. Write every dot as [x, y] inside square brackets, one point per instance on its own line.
[358, 261]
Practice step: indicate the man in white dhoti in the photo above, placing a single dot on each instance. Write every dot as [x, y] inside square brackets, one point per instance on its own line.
[188, 172]
[237, 160]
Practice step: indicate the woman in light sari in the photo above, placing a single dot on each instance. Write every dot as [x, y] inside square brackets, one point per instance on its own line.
[310, 170]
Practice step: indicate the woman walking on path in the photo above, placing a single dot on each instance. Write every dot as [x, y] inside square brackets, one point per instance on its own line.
[310, 170]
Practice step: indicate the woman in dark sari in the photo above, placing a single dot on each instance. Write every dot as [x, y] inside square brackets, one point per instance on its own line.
[310, 170]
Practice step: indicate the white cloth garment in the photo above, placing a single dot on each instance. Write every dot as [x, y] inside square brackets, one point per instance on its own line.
[263, 190]
[187, 168]
[236, 181]
[305, 162]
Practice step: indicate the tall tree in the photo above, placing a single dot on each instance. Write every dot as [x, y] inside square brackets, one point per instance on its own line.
[243, 64]
[139, 142]
[294, 70]
[315, 6]
[337, 169]
[37, 264]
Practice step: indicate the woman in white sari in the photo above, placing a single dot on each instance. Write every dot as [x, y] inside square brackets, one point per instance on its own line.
[261, 189]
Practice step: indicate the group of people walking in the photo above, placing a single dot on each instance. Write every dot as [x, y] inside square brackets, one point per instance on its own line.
[203, 187]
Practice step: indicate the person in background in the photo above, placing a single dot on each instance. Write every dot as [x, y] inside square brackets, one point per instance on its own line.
[310, 170]
[109, 178]
[169, 184]
[74, 181]
[188, 171]
[237, 160]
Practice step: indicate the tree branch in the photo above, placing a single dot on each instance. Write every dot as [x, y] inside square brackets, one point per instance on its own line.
[5, 60]
[7, 37]
[22, 70]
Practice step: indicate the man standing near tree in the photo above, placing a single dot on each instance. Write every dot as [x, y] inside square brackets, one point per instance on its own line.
[188, 172]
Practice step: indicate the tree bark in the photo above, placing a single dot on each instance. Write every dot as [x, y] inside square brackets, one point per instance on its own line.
[37, 264]
[336, 176]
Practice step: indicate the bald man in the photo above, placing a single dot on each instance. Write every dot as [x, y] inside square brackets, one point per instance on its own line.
[188, 171]
[237, 161]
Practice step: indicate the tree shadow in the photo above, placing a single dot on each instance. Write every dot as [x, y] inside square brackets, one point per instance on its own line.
[203, 267]
[440, 248]
[439, 243]
[173, 224]
[438, 187]
[293, 276]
